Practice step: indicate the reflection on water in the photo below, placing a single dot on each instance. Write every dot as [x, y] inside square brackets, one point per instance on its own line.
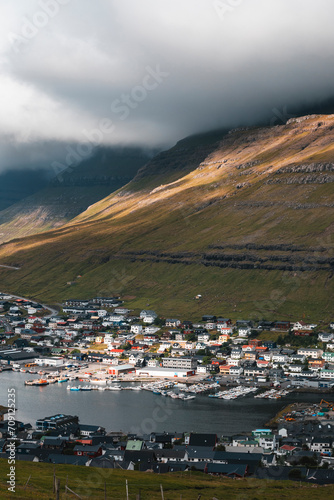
[142, 411]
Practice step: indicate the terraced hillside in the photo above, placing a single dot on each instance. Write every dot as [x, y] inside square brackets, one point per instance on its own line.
[244, 219]
[70, 192]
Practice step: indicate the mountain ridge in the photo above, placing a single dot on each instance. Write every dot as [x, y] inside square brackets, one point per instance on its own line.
[71, 192]
[225, 223]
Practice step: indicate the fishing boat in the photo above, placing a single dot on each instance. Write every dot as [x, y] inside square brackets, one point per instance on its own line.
[29, 382]
[188, 398]
[85, 388]
[52, 380]
[61, 380]
[39, 382]
[115, 388]
[74, 388]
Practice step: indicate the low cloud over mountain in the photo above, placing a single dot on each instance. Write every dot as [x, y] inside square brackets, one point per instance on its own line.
[150, 72]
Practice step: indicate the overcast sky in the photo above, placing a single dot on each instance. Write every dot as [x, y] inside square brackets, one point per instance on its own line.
[150, 72]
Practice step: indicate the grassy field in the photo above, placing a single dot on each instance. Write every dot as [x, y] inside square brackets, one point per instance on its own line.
[91, 483]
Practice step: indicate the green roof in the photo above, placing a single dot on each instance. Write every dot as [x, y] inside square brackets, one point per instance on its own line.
[134, 445]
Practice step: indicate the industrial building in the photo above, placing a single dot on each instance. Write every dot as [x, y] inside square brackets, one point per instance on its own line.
[148, 371]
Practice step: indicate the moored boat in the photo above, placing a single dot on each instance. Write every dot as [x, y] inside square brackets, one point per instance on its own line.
[39, 382]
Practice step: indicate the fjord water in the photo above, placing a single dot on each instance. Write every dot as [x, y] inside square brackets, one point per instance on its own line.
[142, 411]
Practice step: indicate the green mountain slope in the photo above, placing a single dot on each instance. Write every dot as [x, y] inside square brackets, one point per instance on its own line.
[246, 222]
[71, 192]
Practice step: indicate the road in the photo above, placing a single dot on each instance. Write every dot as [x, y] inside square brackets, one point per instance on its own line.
[5, 325]
[53, 312]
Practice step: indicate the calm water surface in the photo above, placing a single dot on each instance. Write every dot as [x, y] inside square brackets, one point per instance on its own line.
[142, 411]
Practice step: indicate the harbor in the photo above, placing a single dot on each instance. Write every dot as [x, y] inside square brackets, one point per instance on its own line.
[127, 410]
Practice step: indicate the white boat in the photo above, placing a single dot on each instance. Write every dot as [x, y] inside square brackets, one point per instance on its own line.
[115, 388]
[101, 381]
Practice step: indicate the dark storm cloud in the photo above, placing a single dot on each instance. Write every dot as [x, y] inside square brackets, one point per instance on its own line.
[150, 72]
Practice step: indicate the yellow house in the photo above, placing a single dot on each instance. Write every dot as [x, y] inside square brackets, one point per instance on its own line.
[224, 338]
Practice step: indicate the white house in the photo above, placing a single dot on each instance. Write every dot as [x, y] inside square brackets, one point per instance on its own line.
[327, 374]
[173, 322]
[210, 325]
[268, 442]
[280, 358]
[137, 329]
[115, 318]
[300, 325]
[133, 358]
[236, 354]
[295, 368]
[297, 357]
[121, 310]
[102, 313]
[31, 310]
[203, 369]
[310, 353]
[244, 331]
[190, 345]
[163, 347]
[200, 346]
[233, 362]
[151, 329]
[325, 337]
[228, 330]
[203, 337]
[321, 445]
[153, 362]
[147, 312]
[328, 356]
[236, 371]
[149, 319]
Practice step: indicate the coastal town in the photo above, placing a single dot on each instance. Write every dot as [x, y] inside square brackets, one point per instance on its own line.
[144, 345]
[101, 345]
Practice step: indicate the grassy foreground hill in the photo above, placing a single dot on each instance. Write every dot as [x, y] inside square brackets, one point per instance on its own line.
[35, 481]
[244, 219]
